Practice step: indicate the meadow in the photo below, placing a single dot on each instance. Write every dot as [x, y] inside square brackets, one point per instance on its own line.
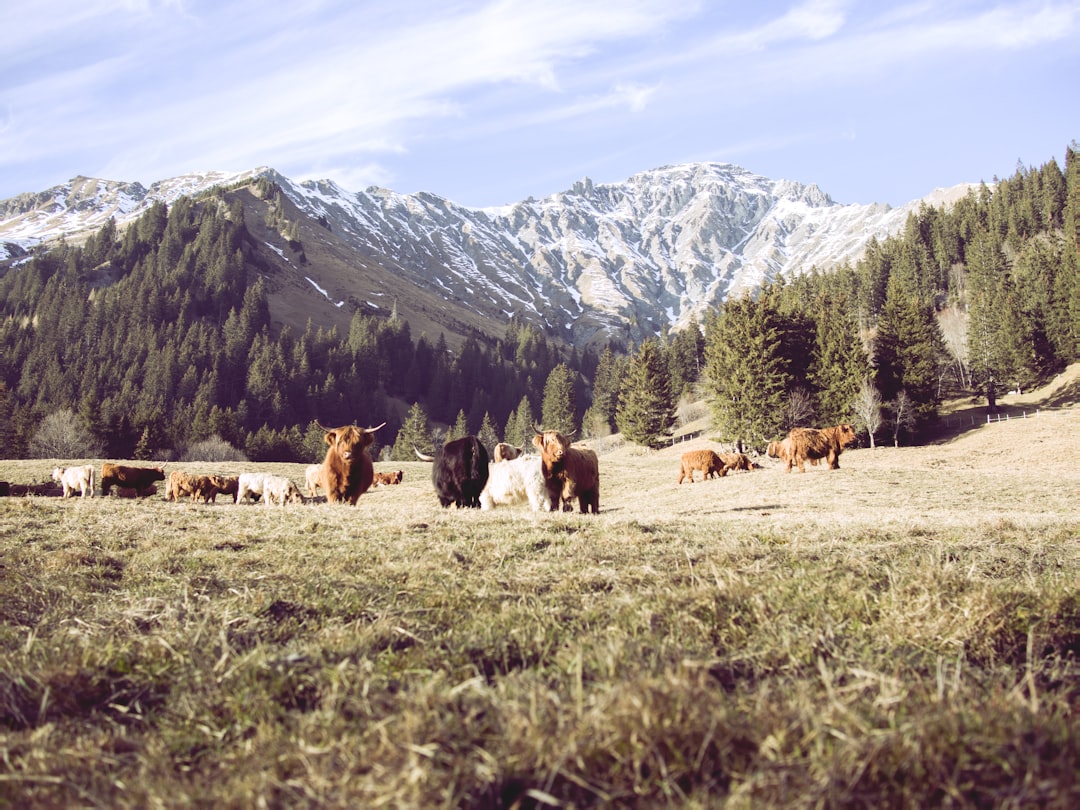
[903, 631]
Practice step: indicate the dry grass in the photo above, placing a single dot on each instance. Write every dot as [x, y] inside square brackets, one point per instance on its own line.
[901, 632]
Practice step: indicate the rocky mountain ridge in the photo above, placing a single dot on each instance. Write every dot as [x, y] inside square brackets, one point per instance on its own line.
[594, 262]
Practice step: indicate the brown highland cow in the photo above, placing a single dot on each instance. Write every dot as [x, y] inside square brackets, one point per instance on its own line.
[812, 444]
[705, 460]
[737, 461]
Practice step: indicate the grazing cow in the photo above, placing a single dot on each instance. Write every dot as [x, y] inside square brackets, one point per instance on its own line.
[312, 476]
[506, 452]
[280, 490]
[812, 444]
[460, 471]
[569, 471]
[139, 479]
[226, 485]
[248, 485]
[386, 479]
[347, 471]
[514, 481]
[737, 461]
[72, 477]
[705, 460]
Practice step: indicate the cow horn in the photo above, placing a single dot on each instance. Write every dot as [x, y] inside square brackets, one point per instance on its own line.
[320, 427]
[421, 456]
[372, 430]
[539, 432]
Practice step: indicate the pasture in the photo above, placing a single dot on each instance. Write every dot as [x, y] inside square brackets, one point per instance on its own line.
[903, 631]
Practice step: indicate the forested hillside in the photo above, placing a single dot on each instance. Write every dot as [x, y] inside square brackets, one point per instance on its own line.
[160, 336]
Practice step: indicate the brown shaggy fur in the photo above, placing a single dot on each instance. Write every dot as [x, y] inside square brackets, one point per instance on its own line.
[811, 444]
[705, 460]
[385, 479]
[737, 461]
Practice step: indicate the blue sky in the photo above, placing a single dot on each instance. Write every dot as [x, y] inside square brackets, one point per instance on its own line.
[488, 102]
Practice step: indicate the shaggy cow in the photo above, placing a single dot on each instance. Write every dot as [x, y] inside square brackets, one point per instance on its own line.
[312, 476]
[705, 460]
[226, 485]
[346, 471]
[139, 479]
[506, 452]
[72, 477]
[515, 481]
[737, 461]
[568, 471]
[460, 471]
[280, 490]
[386, 479]
[811, 444]
[249, 485]
[179, 484]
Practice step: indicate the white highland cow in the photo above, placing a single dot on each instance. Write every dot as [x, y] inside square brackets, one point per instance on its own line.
[515, 481]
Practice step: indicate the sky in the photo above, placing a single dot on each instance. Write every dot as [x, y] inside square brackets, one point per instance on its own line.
[489, 102]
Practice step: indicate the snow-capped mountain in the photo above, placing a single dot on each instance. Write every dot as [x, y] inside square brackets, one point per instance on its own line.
[594, 261]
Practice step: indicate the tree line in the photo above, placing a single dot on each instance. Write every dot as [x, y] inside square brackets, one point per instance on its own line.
[160, 338]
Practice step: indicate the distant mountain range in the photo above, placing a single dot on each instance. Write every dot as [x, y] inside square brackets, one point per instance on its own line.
[595, 262]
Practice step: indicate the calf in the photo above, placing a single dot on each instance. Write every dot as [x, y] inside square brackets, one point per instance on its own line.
[386, 479]
[312, 476]
[71, 477]
[280, 490]
[249, 485]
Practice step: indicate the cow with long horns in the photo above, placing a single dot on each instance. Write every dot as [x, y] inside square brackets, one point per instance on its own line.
[347, 470]
[459, 471]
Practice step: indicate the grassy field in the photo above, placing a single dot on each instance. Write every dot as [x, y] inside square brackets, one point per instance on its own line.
[904, 631]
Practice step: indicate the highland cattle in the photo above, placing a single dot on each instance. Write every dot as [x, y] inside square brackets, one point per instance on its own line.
[570, 472]
[71, 477]
[140, 480]
[707, 461]
[347, 471]
[516, 481]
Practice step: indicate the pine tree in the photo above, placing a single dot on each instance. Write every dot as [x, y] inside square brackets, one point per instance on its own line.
[415, 434]
[520, 426]
[646, 411]
[460, 428]
[557, 411]
[839, 363]
[488, 436]
[909, 350]
[600, 416]
[746, 371]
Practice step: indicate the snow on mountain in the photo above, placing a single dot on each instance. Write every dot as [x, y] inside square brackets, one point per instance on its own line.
[595, 261]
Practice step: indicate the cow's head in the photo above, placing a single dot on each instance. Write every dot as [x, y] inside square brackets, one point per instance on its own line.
[348, 442]
[846, 435]
[58, 473]
[551, 444]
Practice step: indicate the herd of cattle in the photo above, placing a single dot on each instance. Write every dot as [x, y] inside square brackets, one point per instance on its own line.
[462, 473]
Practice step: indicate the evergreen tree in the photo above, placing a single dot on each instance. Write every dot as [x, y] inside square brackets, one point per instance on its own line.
[646, 411]
[415, 434]
[909, 350]
[600, 416]
[746, 372]
[488, 436]
[460, 428]
[520, 426]
[557, 411]
[839, 363]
